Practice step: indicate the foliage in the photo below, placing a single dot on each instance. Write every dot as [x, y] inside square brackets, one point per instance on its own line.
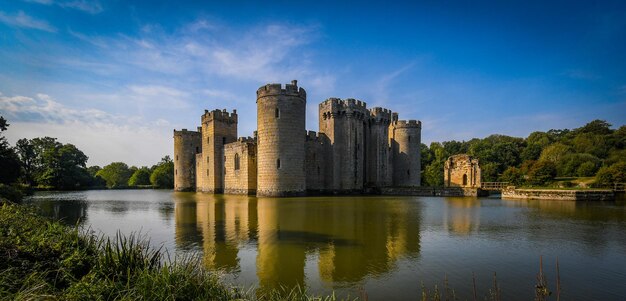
[115, 174]
[45, 260]
[47, 162]
[590, 150]
[163, 174]
[140, 177]
[9, 161]
[609, 175]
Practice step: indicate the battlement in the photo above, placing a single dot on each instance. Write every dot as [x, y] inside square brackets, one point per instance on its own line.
[408, 124]
[350, 107]
[246, 139]
[217, 115]
[185, 133]
[380, 115]
[277, 89]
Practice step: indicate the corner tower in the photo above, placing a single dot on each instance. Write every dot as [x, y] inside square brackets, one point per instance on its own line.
[218, 128]
[186, 145]
[406, 140]
[281, 136]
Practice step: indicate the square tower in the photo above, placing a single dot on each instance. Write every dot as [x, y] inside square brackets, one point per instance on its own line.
[218, 129]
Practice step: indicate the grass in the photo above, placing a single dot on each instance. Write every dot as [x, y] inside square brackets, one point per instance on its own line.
[45, 260]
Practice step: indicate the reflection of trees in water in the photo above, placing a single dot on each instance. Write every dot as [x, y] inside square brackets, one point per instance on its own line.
[594, 224]
[354, 237]
[69, 212]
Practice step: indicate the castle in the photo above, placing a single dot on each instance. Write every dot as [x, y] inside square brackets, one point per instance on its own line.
[356, 149]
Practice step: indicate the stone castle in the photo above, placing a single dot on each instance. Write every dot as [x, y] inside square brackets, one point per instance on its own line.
[356, 150]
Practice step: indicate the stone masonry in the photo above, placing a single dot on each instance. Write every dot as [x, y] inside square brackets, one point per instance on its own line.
[461, 171]
[356, 150]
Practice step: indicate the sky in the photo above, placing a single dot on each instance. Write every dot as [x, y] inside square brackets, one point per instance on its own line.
[116, 77]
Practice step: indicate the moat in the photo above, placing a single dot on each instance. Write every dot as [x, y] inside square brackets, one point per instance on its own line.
[382, 245]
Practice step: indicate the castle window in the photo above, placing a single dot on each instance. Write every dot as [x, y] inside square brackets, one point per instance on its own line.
[223, 140]
[277, 113]
[464, 180]
[236, 161]
[207, 172]
[208, 139]
[197, 149]
[277, 163]
[207, 159]
[409, 138]
[176, 171]
[176, 157]
[408, 173]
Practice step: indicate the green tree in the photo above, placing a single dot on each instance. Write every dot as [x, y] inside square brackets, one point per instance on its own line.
[597, 127]
[586, 169]
[542, 173]
[140, 177]
[512, 175]
[554, 152]
[163, 174]
[115, 174]
[9, 161]
[608, 175]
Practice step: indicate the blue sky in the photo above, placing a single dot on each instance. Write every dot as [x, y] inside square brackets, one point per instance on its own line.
[115, 77]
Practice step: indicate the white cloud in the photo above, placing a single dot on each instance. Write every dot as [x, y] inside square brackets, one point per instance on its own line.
[88, 6]
[25, 21]
[103, 136]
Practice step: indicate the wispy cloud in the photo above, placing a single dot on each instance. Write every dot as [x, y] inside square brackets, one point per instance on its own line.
[581, 74]
[88, 6]
[25, 21]
[125, 138]
[262, 53]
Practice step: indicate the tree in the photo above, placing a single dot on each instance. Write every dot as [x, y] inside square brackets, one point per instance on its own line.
[554, 152]
[597, 127]
[163, 174]
[513, 175]
[9, 161]
[140, 177]
[541, 173]
[115, 174]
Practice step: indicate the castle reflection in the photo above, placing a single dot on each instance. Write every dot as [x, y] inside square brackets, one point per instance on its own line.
[462, 215]
[350, 238]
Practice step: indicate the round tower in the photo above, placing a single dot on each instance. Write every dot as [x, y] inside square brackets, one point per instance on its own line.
[407, 136]
[186, 145]
[281, 136]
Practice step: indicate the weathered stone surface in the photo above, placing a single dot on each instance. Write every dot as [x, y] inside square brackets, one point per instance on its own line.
[461, 171]
[186, 145]
[355, 151]
[559, 195]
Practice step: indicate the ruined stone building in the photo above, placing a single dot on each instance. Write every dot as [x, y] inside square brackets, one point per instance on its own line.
[356, 149]
[461, 171]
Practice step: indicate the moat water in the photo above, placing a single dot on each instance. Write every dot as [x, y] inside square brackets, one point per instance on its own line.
[381, 246]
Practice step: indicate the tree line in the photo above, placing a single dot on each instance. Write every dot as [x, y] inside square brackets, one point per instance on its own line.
[593, 151]
[47, 163]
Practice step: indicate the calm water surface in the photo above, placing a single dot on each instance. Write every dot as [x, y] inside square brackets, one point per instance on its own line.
[384, 246]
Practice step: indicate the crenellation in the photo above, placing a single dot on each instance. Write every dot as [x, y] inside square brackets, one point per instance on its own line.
[356, 149]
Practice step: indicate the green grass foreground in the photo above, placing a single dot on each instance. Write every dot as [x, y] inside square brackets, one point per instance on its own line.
[45, 260]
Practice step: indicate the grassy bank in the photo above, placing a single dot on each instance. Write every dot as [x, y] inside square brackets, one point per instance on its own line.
[45, 260]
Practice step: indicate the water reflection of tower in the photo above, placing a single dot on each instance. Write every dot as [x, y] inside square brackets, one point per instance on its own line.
[462, 215]
[215, 224]
[281, 251]
[376, 235]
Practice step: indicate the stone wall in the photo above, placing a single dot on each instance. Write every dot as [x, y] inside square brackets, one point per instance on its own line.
[281, 138]
[218, 129]
[343, 122]
[240, 176]
[461, 171]
[378, 165]
[558, 195]
[186, 145]
[406, 142]
[318, 163]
